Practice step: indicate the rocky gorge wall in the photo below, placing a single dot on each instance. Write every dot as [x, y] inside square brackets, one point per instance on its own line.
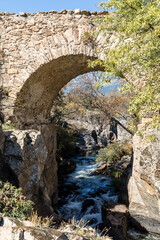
[94, 131]
[30, 156]
[144, 182]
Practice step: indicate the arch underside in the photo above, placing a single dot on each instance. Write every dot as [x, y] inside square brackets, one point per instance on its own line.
[35, 99]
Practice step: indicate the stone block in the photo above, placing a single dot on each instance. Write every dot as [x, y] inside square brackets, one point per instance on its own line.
[12, 71]
[115, 216]
[22, 14]
[53, 11]
[70, 11]
[102, 12]
[94, 13]
[77, 11]
[85, 12]
[64, 11]
[31, 22]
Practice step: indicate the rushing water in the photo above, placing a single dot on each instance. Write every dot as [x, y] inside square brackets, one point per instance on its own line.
[95, 189]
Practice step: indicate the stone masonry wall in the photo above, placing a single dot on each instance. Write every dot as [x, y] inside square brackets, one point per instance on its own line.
[30, 41]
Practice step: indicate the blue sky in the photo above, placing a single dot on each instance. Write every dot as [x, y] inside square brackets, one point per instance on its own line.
[32, 6]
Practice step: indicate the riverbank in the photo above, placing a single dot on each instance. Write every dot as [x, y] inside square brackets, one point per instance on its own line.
[84, 194]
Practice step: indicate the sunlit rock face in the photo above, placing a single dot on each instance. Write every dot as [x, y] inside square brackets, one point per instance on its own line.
[144, 184]
[30, 154]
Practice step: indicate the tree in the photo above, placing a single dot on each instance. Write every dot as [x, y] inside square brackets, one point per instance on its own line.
[83, 96]
[65, 135]
[132, 52]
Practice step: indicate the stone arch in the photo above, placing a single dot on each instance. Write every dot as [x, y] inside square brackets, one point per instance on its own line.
[35, 99]
[36, 48]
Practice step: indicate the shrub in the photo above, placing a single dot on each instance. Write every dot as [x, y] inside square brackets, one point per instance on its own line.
[126, 148]
[7, 126]
[113, 152]
[39, 220]
[13, 203]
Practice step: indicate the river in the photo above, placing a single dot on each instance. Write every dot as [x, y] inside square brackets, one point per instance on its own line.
[87, 195]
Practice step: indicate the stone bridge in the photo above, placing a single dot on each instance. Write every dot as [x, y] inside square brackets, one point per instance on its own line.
[39, 54]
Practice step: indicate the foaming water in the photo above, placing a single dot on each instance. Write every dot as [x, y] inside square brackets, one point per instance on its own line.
[96, 189]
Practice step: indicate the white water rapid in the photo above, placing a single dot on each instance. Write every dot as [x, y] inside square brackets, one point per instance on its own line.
[85, 193]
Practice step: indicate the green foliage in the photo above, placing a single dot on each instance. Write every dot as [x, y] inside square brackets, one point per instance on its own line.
[148, 138]
[113, 152]
[151, 138]
[66, 142]
[116, 173]
[126, 148]
[7, 126]
[140, 133]
[13, 203]
[133, 30]
[88, 38]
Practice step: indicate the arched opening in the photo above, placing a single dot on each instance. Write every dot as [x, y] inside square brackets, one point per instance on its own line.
[32, 107]
[35, 99]
[80, 109]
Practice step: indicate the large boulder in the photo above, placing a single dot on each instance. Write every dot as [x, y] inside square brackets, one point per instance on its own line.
[115, 217]
[31, 156]
[86, 204]
[102, 169]
[144, 183]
